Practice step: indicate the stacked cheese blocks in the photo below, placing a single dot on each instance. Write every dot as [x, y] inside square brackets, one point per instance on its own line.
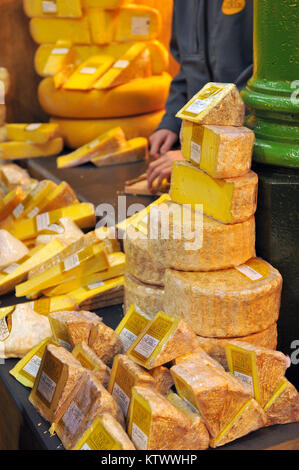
[103, 66]
[4, 88]
[213, 280]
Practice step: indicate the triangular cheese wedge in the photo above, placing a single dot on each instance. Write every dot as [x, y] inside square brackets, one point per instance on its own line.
[14, 150]
[11, 249]
[61, 56]
[133, 151]
[283, 406]
[38, 133]
[89, 72]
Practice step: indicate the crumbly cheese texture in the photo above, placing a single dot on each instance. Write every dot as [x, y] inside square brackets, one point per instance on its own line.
[156, 424]
[216, 104]
[135, 150]
[230, 200]
[220, 151]
[135, 63]
[87, 74]
[14, 150]
[36, 133]
[137, 23]
[224, 303]
[53, 8]
[163, 379]
[187, 240]
[148, 298]
[12, 250]
[110, 141]
[62, 196]
[283, 406]
[89, 360]
[105, 342]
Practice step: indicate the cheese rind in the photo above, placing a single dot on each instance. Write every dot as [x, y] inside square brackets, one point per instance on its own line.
[53, 8]
[220, 151]
[35, 133]
[51, 30]
[229, 201]
[224, 303]
[148, 298]
[14, 150]
[217, 104]
[85, 76]
[283, 406]
[105, 342]
[135, 150]
[102, 24]
[89, 360]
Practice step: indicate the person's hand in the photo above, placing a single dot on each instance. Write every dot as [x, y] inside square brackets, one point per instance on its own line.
[161, 142]
[161, 168]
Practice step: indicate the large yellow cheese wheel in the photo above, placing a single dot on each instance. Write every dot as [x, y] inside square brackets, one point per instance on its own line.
[78, 132]
[140, 96]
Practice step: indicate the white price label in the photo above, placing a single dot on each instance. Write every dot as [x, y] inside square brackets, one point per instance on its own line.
[249, 272]
[71, 262]
[198, 106]
[93, 144]
[33, 213]
[140, 25]
[195, 152]
[127, 338]
[95, 285]
[55, 228]
[88, 70]
[121, 398]
[33, 127]
[42, 221]
[246, 379]
[121, 64]
[49, 6]
[139, 438]
[46, 387]
[147, 345]
[11, 268]
[18, 211]
[4, 331]
[32, 367]
[72, 418]
[60, 50]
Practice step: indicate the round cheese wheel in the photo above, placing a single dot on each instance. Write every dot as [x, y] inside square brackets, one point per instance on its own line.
[225, 303]
[78, 132]
[215, 347]
[195, 242]
[140, 96]
[146, 297]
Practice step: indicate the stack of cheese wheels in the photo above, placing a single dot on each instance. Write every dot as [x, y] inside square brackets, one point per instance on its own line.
[205, 237]
[4, 87]
[88, 39]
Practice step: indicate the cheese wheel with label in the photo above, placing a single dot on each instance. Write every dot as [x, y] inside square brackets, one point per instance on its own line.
[226, 303]
[148, 298]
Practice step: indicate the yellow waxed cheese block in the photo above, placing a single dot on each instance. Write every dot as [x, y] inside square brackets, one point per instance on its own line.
[230, 200]
[111, 141]
[14, 150]
[29, 207]
[220, 151]
[62, 196]
[217, 104]
[51, 30]
[11, 201]
[138, 23]
[87, 297]
[53, 8]
[37, 133]
[134, 151]
[227, 303]
[78, 132]
[133, 98]
[82, 214]
[131, 326]
[102, 25]
[135, 63]
[88, 73]
[105, 4]
[159, 57]
[62, 56]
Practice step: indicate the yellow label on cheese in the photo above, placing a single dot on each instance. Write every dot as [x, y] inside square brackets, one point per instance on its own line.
[232, 7]
[202, 100]
[97, 437]
[230, 424]
[186, 393]
[254, 270]
[242, 364]
[60, 333]
[140, 421]
[120, 386]
[5, 322]
[85, 293]
[131, 326]
[48, 379]
[277, 392]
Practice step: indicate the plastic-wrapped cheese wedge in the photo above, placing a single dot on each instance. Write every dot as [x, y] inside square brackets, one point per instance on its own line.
[53, 8]
[163, 379]
[221, 151]
[283, 406]
[131, 326]
[62, 196]
[135, 63]
[110, 141]
[137, 23]
[217, 395]
[104, 433]
[89, 360]
[102, 25]
[98, 295]
[230, 200]
[88, 73]
[12, 250]
[11, 201]
[259, 367]
[38, 133]
[87, 400]
[225, 303]
[51, 30]
[146, 297]
[135, 150]
[58, 374]
[217, 104]
[156, 424]
[29, 207]
[162, 340]
[105, 342]
[14, 150]
[187, 240]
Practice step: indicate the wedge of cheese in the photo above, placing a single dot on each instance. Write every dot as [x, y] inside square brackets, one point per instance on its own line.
[156, 424]
[135, 63]
[163, 380]
[13, 266]
[37, 133]
[283, 406]
[146, 297]
[51, 30]
[11, 201]
[220, 151]
[29, 207]
[161, 341]
[61, 56]
[215, 347]
[110, 141]
[86, 401]
[67, 232]
[198, 355]
[53, 8]
[217, 395]
[137, 23]
[135, 150]
[217, 104]
[102, 25]
[259, 367]
[13, 175]
[230, 200]
[12, 250]
[131, 326]
[159, 57]
[98, 295]
[105, 342]
[104, 433]
[82, 214]
[62, 196]
[87, 74]
[44, 306]
[187, 240]
[58, 374]
[14, 150]
[89, 360]
[250, 418]
[225, 303]
[140, 262]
